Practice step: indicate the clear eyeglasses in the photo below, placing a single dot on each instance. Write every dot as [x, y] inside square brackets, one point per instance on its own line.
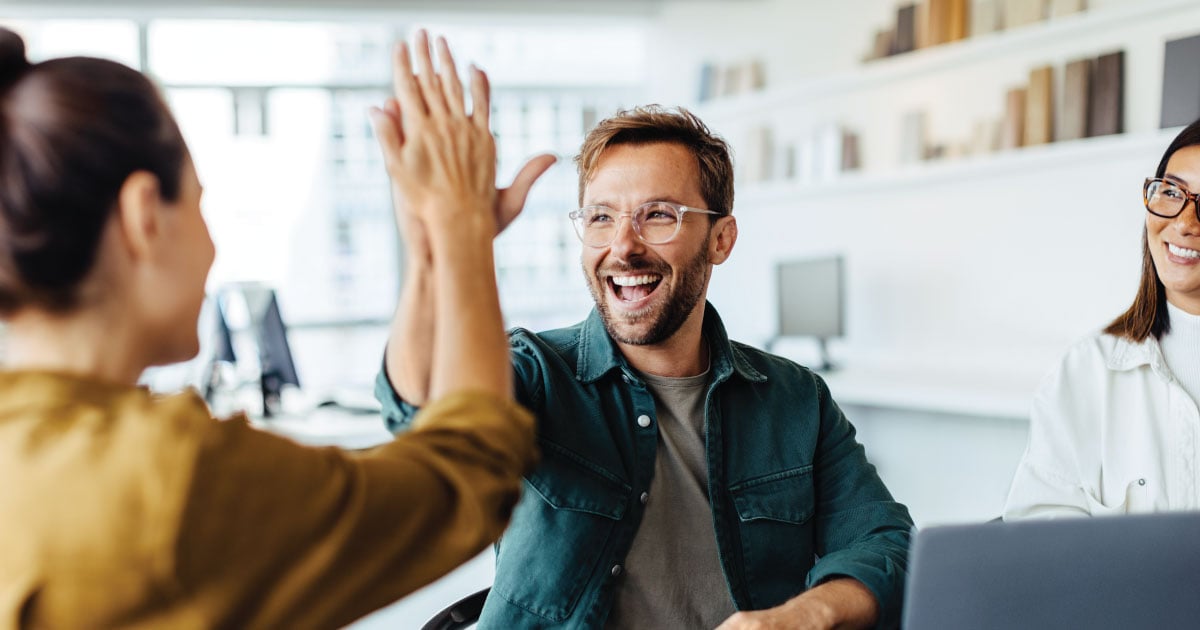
[1166, 199]
[656, 222]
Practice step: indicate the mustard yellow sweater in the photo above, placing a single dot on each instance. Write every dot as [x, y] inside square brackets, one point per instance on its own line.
[123, 509]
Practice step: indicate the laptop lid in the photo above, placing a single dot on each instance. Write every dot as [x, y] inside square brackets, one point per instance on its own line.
[1140, 571]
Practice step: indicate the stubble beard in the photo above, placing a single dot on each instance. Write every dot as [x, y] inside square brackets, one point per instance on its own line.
[664, 323]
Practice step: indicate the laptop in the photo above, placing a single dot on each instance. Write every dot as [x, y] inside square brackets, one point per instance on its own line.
[1139, 571]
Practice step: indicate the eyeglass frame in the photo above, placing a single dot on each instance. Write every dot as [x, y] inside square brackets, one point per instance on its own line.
[1187, 196]
[576, 215]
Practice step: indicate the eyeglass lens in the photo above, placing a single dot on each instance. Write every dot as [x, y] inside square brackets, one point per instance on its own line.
[1165, 199]
[655, 223]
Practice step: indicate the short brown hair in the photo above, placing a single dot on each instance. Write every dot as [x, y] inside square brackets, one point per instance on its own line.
[1148, 314]
[654, 123]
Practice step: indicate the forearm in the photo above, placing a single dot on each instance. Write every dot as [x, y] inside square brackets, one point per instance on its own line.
[470, 346]
[838, 603]
[409, 351]
[842, 602]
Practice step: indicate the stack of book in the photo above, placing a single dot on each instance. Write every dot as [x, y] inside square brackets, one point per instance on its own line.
[933, 22]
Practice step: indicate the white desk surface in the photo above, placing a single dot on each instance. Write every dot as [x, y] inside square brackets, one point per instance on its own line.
[329, 426]
[991, 394]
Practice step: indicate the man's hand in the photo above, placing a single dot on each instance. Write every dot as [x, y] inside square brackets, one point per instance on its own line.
[441, 159]
[430, 101]
[838, 603]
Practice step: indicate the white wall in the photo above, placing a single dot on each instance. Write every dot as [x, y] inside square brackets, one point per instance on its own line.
[985, 268]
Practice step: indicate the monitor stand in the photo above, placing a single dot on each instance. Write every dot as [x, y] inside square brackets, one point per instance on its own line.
[823, 346]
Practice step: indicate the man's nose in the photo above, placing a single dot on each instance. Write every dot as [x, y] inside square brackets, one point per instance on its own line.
[626, 243]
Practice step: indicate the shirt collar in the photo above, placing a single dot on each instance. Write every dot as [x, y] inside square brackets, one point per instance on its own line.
[599, 354]
[1129, 355]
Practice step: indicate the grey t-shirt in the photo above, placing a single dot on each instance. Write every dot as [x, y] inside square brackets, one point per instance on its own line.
[673, 576]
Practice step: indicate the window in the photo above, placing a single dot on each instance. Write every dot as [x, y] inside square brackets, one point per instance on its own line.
[296, 193]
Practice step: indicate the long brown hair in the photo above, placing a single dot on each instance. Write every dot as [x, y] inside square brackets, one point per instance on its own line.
[71, 131]
[1148, 314]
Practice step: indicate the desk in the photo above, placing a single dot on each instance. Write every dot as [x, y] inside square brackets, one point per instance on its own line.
[974, 393]
[329, 426]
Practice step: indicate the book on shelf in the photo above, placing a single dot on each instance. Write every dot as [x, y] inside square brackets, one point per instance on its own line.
[1023, 12]
[1059, 8]
[906, 33]
[883, 44]
[851, 158]
[947, 20]
[1014, 119]
[1181, 82]
[1039, 107]
[921, 28]
[985, 17]
[759, 156]
[708, 82]
[1075, 103]
[1107, 95]
[913, 140]
[731, 79]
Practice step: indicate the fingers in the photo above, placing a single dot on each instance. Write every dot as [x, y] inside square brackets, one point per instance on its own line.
[530, 173]
[481, 105]
[431, 85]
[408, 93]
[451, 85]
[387, 132]
[511, 200]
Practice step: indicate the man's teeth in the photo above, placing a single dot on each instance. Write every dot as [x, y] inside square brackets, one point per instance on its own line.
[1183, 253]
[633, 281]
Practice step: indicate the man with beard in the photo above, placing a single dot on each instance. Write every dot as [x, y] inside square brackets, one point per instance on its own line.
[684, 477]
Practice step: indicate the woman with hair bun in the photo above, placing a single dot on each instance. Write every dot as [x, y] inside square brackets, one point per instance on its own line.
[1115, 429]
[122, 508]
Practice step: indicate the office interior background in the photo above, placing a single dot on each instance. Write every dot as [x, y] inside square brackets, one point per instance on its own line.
[970, 263]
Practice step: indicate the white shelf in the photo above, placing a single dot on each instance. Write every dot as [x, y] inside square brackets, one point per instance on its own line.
[999, 164]
[928, 61]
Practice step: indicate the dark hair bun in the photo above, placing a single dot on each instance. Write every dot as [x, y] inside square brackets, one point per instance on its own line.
[12, 56]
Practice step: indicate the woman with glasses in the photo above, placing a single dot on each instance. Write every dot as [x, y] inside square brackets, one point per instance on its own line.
[1115, 428]
[124, 509]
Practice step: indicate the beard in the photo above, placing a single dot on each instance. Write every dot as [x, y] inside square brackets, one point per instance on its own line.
[665, 321]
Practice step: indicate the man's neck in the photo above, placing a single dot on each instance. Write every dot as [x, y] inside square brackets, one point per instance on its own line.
[683, 354]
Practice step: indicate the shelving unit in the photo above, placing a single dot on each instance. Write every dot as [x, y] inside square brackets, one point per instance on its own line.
[996, 165]
[958, 85]
[927, 61]
[952, 263]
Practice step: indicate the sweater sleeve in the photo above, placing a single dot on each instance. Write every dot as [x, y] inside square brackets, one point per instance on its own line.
[277, 535]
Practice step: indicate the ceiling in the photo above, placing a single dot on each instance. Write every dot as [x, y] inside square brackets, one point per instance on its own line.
[15, 8]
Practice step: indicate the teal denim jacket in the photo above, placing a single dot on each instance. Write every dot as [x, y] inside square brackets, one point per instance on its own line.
[794, 500]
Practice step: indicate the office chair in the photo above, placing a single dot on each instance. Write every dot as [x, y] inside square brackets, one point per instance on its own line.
[460, 614]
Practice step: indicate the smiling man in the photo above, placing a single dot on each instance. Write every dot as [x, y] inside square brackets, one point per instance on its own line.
[687, 481]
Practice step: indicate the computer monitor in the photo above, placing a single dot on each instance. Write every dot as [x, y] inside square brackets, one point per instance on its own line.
[812, 301]
[259, 313]
[216, 343]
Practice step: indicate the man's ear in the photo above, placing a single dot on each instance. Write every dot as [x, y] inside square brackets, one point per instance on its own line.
[724, 236]
[138, 205]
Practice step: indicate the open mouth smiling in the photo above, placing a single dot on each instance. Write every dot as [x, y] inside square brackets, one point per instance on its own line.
[633, 290]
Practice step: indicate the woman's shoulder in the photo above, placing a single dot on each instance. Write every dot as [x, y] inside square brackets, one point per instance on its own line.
[1101, 351]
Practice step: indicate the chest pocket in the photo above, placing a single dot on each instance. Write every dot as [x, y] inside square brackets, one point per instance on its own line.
[775, 528]
[560, 531]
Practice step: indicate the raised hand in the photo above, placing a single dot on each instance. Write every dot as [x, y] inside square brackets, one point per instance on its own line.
[441, 159]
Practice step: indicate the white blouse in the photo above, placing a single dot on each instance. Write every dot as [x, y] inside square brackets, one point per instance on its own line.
[1111, 431]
